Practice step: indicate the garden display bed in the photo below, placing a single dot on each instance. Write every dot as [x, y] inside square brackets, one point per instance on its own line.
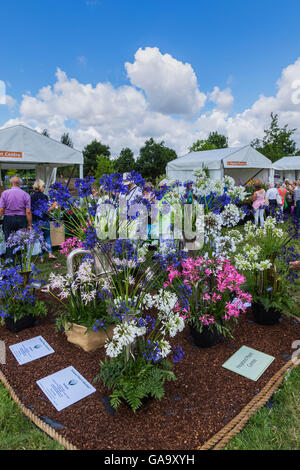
[202, 401]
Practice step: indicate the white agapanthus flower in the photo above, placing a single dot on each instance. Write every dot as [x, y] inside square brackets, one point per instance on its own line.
[237, 192]
[164, 347]
[231, 215]
[228, 182]
[124, 335]
[173, 324]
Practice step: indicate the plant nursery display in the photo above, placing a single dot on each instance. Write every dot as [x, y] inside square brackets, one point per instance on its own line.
[210, 297]
[19, 306]
[265, 262]
[162, 294]
[83, 297]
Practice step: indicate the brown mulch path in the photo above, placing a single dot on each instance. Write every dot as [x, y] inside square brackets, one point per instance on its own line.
[201, 402]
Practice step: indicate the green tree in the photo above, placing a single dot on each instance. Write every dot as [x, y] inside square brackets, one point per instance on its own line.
[66, 140]
[46, 133]
[277, 141]
[200, 145]
[125, 162]
[153, 159]
[90, 153]
[105, 166]
[219, 140]
[214, 141]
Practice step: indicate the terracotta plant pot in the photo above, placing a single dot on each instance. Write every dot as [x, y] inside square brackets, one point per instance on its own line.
[263, 316]
[89, 341]
[207, 338]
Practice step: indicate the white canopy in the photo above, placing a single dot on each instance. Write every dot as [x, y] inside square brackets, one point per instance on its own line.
[287, 163]
[242, 163]
[24, 148]
[288, 167]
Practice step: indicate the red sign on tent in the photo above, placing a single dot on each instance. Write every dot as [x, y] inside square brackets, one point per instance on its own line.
[7, 154]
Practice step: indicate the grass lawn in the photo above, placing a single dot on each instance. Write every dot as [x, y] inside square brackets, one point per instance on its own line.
[277, 428]
[17, 432]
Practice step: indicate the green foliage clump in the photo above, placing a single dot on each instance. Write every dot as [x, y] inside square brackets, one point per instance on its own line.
[134, 380]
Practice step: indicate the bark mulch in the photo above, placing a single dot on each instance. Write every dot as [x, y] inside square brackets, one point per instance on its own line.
[203, 400]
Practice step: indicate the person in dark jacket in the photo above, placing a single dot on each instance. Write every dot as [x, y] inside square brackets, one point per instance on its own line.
[40, 215]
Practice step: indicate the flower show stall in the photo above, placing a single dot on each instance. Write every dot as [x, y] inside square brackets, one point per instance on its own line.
[288, 168]
[23, 148]
[149, 335]
[241, 163]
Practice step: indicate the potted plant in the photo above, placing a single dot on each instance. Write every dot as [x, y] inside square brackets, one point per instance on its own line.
[210, 297]
[265, 262]
[25, 244]
[84, 315]
[137, 364]
[19, 307]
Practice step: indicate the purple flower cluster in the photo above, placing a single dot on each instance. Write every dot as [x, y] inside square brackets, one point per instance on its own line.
[60, 194]
[152, 352]
[12, 290]
[22, 240]
[84, 186]
[178, 354]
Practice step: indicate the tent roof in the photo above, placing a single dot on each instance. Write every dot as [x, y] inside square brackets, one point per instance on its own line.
[287, 163]
[23, 146]
[234, 157]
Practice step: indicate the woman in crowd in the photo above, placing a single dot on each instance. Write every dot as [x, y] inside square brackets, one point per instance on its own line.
[282, 192]
[259, 203]
[40, 215]
[289, 197]
[271, 196]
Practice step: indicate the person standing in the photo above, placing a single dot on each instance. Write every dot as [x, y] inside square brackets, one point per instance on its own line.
[271, 196]
[40, 216]
[282, 192]
[259, 202]
[15, 205]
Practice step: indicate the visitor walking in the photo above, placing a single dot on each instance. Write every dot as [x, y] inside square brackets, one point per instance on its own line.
[15, 205]
[40, 215]
[259, 203]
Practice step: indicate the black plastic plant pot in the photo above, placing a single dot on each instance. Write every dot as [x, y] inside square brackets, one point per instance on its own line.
[207, 338]
[263, 316]
[19, 325]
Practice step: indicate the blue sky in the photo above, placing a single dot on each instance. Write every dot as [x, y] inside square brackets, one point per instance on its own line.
[243, 46]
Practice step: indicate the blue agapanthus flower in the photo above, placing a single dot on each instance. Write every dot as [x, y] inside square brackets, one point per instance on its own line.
[84, 186]
[178, 354]
[61, 194]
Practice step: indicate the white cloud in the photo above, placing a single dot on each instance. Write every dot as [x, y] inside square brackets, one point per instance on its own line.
[222, 98]
[171, 86]
[126, 116]
[2, 92]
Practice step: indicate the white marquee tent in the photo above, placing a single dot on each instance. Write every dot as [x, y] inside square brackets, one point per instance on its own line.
[241, 163]
[24, 148]
[288, 167]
